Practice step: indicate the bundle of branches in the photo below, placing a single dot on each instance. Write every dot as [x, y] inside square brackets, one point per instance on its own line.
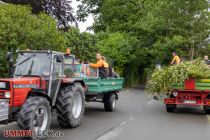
[162, 81]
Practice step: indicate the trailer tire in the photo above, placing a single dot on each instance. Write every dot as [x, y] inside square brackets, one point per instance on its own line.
[207, 110]
[31, 113]
[109, 102]
[70, 106]
[170, 108]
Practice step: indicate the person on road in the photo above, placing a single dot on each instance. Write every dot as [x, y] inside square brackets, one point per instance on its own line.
[176, 60]
[100, 65]
[206, 60]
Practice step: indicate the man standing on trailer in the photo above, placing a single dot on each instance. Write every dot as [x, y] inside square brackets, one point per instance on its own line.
[206, 60]
[100, 65]
[176, 60]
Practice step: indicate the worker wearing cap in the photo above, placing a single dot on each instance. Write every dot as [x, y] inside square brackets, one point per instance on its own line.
[100, 65]
[176, 60]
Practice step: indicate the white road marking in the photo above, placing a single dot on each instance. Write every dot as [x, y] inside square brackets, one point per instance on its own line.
[208, 118]
[115, 131]
[150, 102]
[131, 118]
[123, 123]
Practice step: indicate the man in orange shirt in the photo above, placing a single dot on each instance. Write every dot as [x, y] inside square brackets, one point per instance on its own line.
[101, 66]
[176, 60]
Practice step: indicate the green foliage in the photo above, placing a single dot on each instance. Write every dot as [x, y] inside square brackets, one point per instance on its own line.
[163, 48]
[82, 44]
[117, 47]
[162, 81]
[60, 10]
[19, 29]
[160, 27]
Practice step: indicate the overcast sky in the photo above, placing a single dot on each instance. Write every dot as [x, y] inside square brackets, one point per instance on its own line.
[82, 25]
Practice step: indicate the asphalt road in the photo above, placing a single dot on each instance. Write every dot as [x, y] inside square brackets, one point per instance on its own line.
[136, 117]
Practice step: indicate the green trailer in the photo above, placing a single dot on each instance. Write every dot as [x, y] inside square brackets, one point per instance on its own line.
[100, 86]
[104, 91]
[97, 89]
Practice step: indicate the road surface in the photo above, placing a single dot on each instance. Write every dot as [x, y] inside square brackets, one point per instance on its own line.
[136, 117]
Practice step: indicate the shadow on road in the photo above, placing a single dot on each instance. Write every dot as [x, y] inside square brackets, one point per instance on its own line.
[91, 110]
[182, 110]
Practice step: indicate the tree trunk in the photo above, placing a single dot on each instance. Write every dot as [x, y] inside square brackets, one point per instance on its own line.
[192, 52]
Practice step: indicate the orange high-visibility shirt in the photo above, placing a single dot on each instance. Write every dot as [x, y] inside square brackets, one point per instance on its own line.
[176, 59]
[106, 65]
[100, 63]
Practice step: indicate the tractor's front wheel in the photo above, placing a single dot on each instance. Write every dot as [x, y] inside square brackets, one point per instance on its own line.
[35, 115]
[70, 105]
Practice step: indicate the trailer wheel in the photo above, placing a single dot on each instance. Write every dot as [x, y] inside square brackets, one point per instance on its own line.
[170, 108]
[35, 115]
[70, 106]
[109, 102]
[207, 110]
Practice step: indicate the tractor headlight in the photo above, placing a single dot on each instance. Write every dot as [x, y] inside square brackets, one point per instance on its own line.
[7, 94]
[2, 84]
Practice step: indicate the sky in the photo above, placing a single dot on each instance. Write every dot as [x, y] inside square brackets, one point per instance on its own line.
[82, 25]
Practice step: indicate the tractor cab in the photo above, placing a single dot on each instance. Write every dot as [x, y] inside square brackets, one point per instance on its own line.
[38, 86]
[36, 73]
[40, 70]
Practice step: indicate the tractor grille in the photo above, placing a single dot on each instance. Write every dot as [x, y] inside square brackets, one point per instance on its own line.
[4, 109]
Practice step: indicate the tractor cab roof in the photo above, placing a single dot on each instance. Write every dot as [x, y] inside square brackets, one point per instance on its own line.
[44, 51]
[40, 51]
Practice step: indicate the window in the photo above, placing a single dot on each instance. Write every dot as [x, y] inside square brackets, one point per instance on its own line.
[57, 69]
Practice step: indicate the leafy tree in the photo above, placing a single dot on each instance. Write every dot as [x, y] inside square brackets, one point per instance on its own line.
[161, 27]
[88, 7]
[82, 44]
[118, 48]
[61, 10]
[19, 29]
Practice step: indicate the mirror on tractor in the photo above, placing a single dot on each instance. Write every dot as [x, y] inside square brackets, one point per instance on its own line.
[45, 74]
[59, 58]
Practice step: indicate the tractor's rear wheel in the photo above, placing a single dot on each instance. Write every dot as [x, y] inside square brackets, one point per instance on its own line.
[109, 102]
[70, 106]
[35, 115]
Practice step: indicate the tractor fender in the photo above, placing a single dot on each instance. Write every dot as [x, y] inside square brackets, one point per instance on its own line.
[72, 81]
[40, 93]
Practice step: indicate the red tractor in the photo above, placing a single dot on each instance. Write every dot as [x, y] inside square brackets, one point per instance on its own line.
[39, 87]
